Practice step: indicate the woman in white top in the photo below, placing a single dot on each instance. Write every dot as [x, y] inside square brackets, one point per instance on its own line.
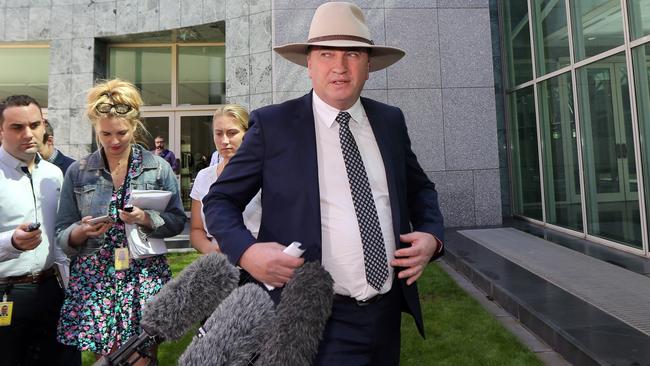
[229, 125]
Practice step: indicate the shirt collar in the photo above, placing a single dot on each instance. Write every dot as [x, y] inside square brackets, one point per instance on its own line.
[329, 113]
[11, 161]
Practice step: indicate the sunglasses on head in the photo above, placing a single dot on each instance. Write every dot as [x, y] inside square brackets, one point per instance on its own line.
[118, 108]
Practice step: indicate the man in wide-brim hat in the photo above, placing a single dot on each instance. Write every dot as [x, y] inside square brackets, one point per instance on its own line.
[337, 174]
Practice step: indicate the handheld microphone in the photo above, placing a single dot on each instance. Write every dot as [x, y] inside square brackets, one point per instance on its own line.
[234, 331]
[301, 315]
[188, 298]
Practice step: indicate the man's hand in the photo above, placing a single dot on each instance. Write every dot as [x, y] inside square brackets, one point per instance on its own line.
[267, 264]
[416, 257]
[25, 240]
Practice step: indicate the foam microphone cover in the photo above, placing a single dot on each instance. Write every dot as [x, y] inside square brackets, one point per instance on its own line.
[190, 297]
[301, 315]
[234, 331]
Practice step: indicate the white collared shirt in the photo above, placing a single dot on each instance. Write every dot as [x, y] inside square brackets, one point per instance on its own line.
[18, 205]
[342, 254]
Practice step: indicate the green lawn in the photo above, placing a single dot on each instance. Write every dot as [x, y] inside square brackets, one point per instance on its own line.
[459, 331]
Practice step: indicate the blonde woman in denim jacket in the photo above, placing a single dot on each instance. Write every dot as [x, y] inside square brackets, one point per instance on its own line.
[103, 303]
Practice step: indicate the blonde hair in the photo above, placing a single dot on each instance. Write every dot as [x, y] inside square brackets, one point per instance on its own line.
[117, 91]
[235, 111]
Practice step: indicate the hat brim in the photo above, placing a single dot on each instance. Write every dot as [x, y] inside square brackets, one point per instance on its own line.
[380, 56]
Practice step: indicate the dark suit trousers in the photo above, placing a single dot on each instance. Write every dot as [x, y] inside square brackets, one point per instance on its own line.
[363, 335]
[30, 340]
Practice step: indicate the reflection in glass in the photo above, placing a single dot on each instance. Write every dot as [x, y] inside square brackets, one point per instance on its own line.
[639, 14]
[560, 156]
[197, 146]
[25, 71]
[598, 26]
[610, 170]
[551, 35]
[149, 68]
[201, 75]
[525, 163]
[517, 41]
[641, 61]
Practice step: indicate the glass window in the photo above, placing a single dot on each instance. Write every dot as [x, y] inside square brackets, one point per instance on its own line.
[25, 71]
[517, 41]
[525, 162]
[641, 60]
[609, 164]
[560, 156]
[149, 68]
[551, 35]
[639, 13]
[201, 75]
[598, 26]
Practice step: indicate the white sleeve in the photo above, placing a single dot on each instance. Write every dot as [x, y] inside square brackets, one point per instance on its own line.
[198, 188]
[7, 250]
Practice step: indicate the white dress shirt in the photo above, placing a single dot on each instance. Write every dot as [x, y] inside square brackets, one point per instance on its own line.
[342, 250]
[19, 204]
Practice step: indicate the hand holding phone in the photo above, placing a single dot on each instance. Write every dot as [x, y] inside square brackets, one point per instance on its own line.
[33, 226]
[128, 208]
[99, 219]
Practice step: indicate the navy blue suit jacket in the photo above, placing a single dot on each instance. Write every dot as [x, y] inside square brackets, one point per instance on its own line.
[278, 155]
[63, 162]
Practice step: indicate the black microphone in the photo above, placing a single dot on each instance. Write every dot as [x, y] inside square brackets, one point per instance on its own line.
[234, 331]
[183, 301]
[292, 338]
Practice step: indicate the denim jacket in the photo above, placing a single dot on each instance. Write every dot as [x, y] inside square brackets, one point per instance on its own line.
[87, 191]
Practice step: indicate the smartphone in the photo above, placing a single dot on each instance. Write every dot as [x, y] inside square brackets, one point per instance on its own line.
[33, 226]
[128, 208]
[99, 219]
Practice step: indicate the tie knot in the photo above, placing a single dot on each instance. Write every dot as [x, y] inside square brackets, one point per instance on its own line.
[343, 118]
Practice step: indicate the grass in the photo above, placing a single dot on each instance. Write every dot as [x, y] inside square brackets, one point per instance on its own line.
[459, 331]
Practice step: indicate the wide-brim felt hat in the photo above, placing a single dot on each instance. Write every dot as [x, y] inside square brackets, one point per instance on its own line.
[340, 24]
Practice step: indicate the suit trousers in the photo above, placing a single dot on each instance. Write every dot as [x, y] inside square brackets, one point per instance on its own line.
[359, 335]
[30, 340]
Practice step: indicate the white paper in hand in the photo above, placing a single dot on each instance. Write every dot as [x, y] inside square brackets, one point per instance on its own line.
[142, 246]
[150, 199]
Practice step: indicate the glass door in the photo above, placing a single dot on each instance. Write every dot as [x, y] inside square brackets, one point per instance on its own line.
[158, 124]
[189, 136]
[195, 144]
[610, 167]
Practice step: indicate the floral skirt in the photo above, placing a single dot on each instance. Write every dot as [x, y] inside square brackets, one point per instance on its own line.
[102, 308]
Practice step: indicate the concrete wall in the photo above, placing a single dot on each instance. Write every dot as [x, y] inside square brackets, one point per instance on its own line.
[445, 85]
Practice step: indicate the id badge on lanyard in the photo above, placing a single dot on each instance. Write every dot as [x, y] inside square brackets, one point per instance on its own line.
[121, 259]
[6, 308]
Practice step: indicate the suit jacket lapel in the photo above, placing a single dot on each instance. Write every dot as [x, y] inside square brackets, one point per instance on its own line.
[384, 142]
[306, 132]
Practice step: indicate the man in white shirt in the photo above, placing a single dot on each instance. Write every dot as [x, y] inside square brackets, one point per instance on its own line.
[337, 174]
[29, 284]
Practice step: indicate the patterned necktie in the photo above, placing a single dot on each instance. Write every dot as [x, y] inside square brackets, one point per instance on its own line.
[374, 250]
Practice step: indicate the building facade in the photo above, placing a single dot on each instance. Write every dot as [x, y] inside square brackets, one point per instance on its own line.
[578, 111]
[189, 56]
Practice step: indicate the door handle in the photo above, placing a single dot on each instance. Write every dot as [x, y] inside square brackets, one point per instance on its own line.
[621, 151]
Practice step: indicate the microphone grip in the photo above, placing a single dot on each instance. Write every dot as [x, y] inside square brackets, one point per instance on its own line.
[124, 355]
[293, 250]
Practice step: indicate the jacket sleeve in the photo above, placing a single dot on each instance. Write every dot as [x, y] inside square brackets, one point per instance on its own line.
[240, 180]
[68, 214]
